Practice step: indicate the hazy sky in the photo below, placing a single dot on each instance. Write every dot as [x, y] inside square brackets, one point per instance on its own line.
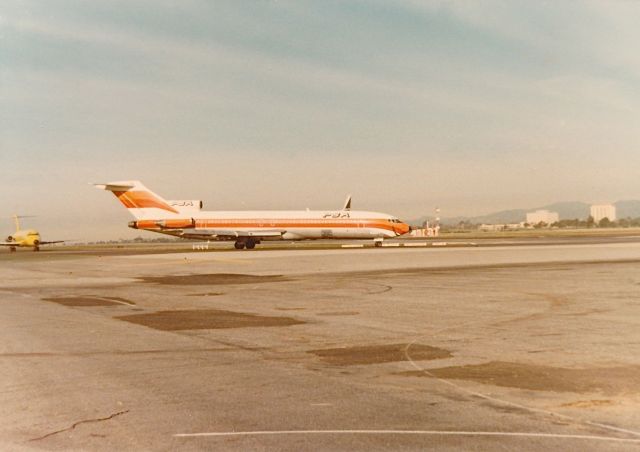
[471, 106]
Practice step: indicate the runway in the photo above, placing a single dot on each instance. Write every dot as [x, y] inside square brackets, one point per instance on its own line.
[491, 347]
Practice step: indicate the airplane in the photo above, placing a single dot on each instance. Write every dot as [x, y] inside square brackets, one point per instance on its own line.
[186, 219]
[25, 238]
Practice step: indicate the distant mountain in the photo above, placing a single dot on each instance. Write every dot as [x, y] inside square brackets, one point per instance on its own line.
[566, 211]
[504, 216]
[629, 208]
[569, 210]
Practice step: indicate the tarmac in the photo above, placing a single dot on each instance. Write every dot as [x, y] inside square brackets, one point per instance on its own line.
[401, 348]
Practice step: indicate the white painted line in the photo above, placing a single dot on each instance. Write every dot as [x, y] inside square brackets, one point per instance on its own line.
[408, 432]
[415, 244]
[353, 246]
[390, 244]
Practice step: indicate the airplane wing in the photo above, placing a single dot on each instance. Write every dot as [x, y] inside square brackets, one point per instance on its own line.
[41, 243]
[226, 234]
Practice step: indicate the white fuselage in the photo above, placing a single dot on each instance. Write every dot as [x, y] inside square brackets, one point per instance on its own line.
[308, 224]
[184, 218]
[295, 225]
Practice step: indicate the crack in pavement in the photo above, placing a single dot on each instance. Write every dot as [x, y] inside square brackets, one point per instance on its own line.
[86, 421]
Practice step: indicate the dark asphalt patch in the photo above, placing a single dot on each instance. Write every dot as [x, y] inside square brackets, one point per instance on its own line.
[82, 301]
[608, 380]
[376, 354]
[212, 279]
[205, 319]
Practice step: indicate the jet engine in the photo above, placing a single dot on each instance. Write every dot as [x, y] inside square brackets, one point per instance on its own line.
[176, 224]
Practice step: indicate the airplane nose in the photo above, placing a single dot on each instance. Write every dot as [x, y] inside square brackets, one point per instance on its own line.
[403, 228]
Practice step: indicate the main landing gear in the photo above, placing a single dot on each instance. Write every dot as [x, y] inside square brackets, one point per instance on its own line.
[249, 244]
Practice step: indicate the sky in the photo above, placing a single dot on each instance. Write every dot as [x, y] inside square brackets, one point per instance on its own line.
[470, 106]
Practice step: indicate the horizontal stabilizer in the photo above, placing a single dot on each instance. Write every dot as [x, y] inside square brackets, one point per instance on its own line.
[19, 244]
[114, 187]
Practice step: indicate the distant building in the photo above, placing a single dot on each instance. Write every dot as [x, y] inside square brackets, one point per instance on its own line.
[491, 227]
[600, 211]
[500, 227]
[427, 231]
[543, 216]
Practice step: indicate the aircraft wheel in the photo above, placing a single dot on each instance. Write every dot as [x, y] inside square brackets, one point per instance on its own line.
[251, 244]
[12, 249]
[239, 245]
[36, 248]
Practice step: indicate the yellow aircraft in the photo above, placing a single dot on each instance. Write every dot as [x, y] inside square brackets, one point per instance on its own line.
[25, 238]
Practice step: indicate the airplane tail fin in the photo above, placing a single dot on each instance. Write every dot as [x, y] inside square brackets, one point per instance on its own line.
[16, 220]
[141, 202]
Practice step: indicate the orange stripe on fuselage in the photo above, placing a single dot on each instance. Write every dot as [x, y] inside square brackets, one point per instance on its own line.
[295, 223]
[142, 199]
[286, 224]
